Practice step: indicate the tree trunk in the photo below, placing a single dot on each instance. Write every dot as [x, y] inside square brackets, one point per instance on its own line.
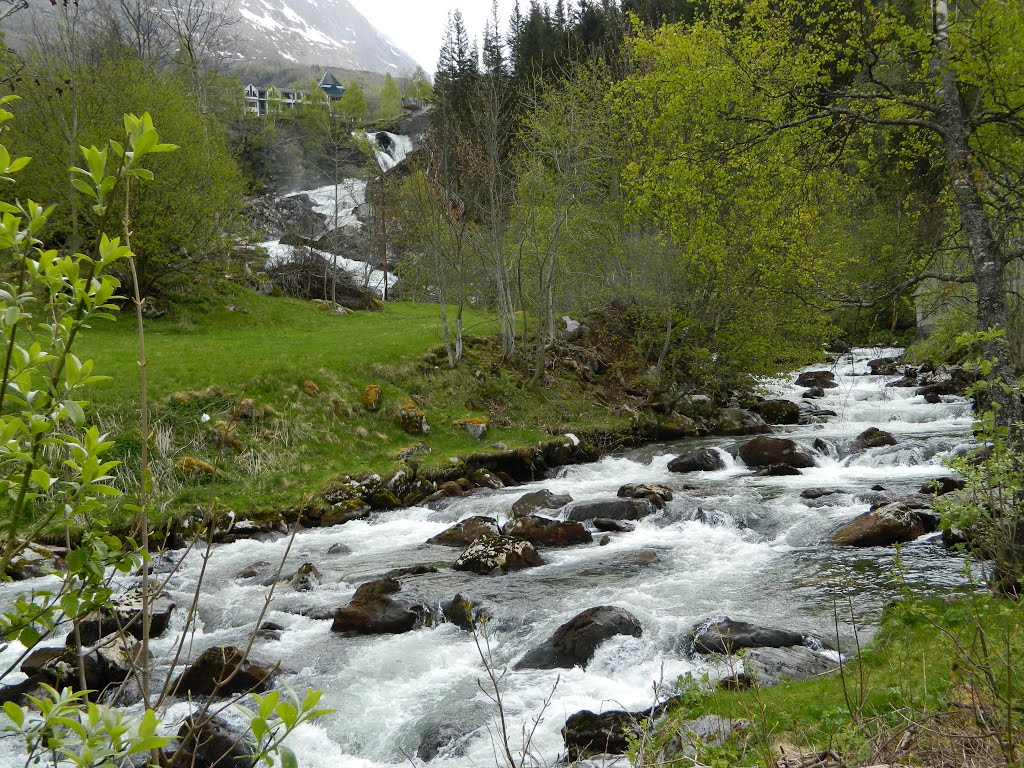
[987, 260]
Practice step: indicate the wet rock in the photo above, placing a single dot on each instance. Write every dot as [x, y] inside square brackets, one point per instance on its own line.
[484, 478]
[589, 734]
[545, 532]
[613, 526]
[726, 636]
[465, 532]
[653, 493]
[270, 630]
[605, 541]
[713, 517]
[736, 421]
[765, 451]
[642, 557]
[125, 612]
[463, 612]
[575, 642]
[940, 486]
[872, 437]
[612, 509]
[374, 610]
[206, 742]
[778, 470]
[704, 460]
[306, 578]
[409, 570]
[817, 493]
[813, 393]
[106, 664]
[225, 671]
[339, 550]
[498, 554]
[885, 366]
[766, 667]
[889, 524]
[823, 379]
[823, 447]
[537, 500]
[777, 411]
[440, 740]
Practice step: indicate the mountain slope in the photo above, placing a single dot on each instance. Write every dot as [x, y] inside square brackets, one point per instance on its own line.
[326, 32]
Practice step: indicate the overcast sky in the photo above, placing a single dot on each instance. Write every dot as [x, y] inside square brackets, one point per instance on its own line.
[417, 26]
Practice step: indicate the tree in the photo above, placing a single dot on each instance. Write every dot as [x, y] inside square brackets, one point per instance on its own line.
[353, 104]
[187, 219]
[390, 99]
[419, 86]
[944, 74]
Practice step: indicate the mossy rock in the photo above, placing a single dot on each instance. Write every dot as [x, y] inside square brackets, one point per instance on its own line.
[372, 397]
[384, 498]
[412, 419]
[195, 468]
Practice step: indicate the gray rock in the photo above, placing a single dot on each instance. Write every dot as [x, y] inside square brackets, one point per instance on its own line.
[706, 731]
[613, 526]
[210, 741]
[726, 636]
[442, 739]
[491, 555]
[872, 437]
[537, 500]
[823, 379]
[889, 524]
[575, 642]
[465, 532]
[704, 460]
[374, 610]
[545, 532]
[612, 509]
[765, 451]
[777, 411]
[736, 421]
[766, 667]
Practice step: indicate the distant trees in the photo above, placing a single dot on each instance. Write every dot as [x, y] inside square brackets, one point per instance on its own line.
[352, 105]
[390, 99]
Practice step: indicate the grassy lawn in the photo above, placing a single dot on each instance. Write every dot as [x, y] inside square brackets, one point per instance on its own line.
[305, 371]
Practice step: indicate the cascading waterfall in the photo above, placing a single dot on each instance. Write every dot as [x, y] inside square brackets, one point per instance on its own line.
[761, 559]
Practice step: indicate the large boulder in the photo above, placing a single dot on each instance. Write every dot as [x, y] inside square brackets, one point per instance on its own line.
[823, 379]
[491, 555]
[374, 610]
[658, 494]
[465, 532]
[545, 532]
[612, 509]
[766, 667]
[885, 366]
[222, 672]
[207, 742]
[125, 612]
[777, 411]
[537, 500]
[108, 663]
[889, 524]
[872, 437]
[736, 421]
[574, 643]
[703, 460]
[726, 636]
[589, 733]
[764, 451]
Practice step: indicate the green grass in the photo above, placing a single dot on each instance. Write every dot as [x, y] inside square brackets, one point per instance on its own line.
[927, 653]
[205, 361]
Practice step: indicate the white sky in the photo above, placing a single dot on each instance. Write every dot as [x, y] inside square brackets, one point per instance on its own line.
[417, 26]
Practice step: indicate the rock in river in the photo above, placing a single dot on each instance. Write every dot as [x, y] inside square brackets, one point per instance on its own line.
[704, 460]
[374, 610]
[545, 532]
[726, 636]
[889, 524]
[574, 643]
[765, 451]
[498, 554]
[612, 509]
[537, 500]
[465, 532]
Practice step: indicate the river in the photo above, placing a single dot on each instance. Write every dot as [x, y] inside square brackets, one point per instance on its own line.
[764, 562]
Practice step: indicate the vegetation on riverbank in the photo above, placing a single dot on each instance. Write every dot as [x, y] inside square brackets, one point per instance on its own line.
[938, 685]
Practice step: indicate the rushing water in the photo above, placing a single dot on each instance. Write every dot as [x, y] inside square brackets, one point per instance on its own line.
[764, 562]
